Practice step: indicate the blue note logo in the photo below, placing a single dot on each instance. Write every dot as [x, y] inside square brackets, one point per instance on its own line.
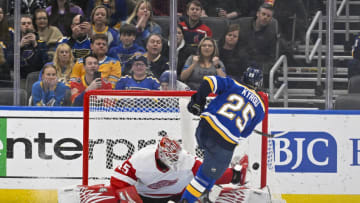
[305, 152]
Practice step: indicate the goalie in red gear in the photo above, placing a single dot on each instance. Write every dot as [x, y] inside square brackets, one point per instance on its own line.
[160, 173]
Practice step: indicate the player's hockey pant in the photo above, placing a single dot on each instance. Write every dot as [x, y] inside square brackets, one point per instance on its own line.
[216, 161]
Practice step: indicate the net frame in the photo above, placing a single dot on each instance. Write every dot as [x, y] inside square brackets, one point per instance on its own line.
[137, 93]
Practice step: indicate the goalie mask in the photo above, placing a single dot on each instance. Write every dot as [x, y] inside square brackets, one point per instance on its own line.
[169, 152]
[252, 77]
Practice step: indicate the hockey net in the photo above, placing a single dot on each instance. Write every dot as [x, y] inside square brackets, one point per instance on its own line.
[119, 123]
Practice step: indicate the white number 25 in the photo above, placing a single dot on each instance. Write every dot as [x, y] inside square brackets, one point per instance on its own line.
[236, 103]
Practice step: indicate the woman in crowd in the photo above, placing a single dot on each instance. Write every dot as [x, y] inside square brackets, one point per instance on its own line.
[117, 10]
[48, 91]
[63, 62]
[183, 51]
[99, 19]
[233, 61]
[47, 33]
[61, 13]
[141, 17]
[206, 62]
[138, 79]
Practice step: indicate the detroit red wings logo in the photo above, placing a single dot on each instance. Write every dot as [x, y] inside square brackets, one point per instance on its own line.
[163, 183]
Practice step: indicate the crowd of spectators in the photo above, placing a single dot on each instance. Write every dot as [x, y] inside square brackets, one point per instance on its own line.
[70, 41]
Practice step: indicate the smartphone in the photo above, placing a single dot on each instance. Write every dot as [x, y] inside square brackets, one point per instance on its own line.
[97, 74]
[82, 19]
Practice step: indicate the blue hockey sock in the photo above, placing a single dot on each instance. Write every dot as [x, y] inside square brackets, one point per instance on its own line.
[197, 186]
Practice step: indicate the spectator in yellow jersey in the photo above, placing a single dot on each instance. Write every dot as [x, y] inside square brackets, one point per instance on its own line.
[108, 66]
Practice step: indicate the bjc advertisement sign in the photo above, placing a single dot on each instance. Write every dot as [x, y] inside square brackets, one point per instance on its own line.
[305, 152]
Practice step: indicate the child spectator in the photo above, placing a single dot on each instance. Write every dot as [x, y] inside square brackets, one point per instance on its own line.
[138, 79]
[127, 47]
[49, 91]
[88, 81]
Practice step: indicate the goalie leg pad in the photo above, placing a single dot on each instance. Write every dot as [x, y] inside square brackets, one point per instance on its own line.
[128, 194]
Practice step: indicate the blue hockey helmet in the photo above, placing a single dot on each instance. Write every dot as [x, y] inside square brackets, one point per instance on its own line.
[253, 77]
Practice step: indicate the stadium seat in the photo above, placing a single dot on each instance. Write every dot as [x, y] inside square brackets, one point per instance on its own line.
[31, 78]
[164, 22]
[7, 97]
[354, 84]
[217, 25]
[347, 102]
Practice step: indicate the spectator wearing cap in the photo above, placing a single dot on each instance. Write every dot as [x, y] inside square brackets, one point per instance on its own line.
[165, 80]
[157, 63]
[139, 78]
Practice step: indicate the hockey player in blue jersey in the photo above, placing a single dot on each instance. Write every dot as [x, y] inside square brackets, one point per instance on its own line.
[232, 115]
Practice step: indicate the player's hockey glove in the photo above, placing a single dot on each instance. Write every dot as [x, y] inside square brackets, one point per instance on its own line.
[195, 106]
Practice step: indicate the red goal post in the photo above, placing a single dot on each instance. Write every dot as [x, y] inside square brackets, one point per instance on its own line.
[133, 118]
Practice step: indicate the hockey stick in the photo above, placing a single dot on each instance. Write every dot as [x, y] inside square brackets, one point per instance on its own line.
[270, 135]
[263, 134]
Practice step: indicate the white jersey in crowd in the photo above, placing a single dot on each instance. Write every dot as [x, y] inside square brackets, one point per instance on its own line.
[141, 171]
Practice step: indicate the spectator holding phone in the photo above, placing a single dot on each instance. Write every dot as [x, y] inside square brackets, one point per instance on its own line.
[32, 50]
[79, 41]
[108, 66]
[92, 80]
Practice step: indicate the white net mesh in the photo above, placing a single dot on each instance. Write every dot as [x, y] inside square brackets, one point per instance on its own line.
[121, 125]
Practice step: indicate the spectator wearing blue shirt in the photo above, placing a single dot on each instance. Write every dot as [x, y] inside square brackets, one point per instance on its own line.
[48, 91]
[138, 79]
[127, 47]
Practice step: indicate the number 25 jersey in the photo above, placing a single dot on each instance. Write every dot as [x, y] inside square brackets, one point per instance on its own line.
[235, 111]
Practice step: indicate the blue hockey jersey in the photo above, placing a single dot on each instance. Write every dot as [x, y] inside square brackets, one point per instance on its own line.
[129, 83]
[236, 110]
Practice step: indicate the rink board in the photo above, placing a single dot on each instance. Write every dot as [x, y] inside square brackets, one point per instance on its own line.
[318, 155]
